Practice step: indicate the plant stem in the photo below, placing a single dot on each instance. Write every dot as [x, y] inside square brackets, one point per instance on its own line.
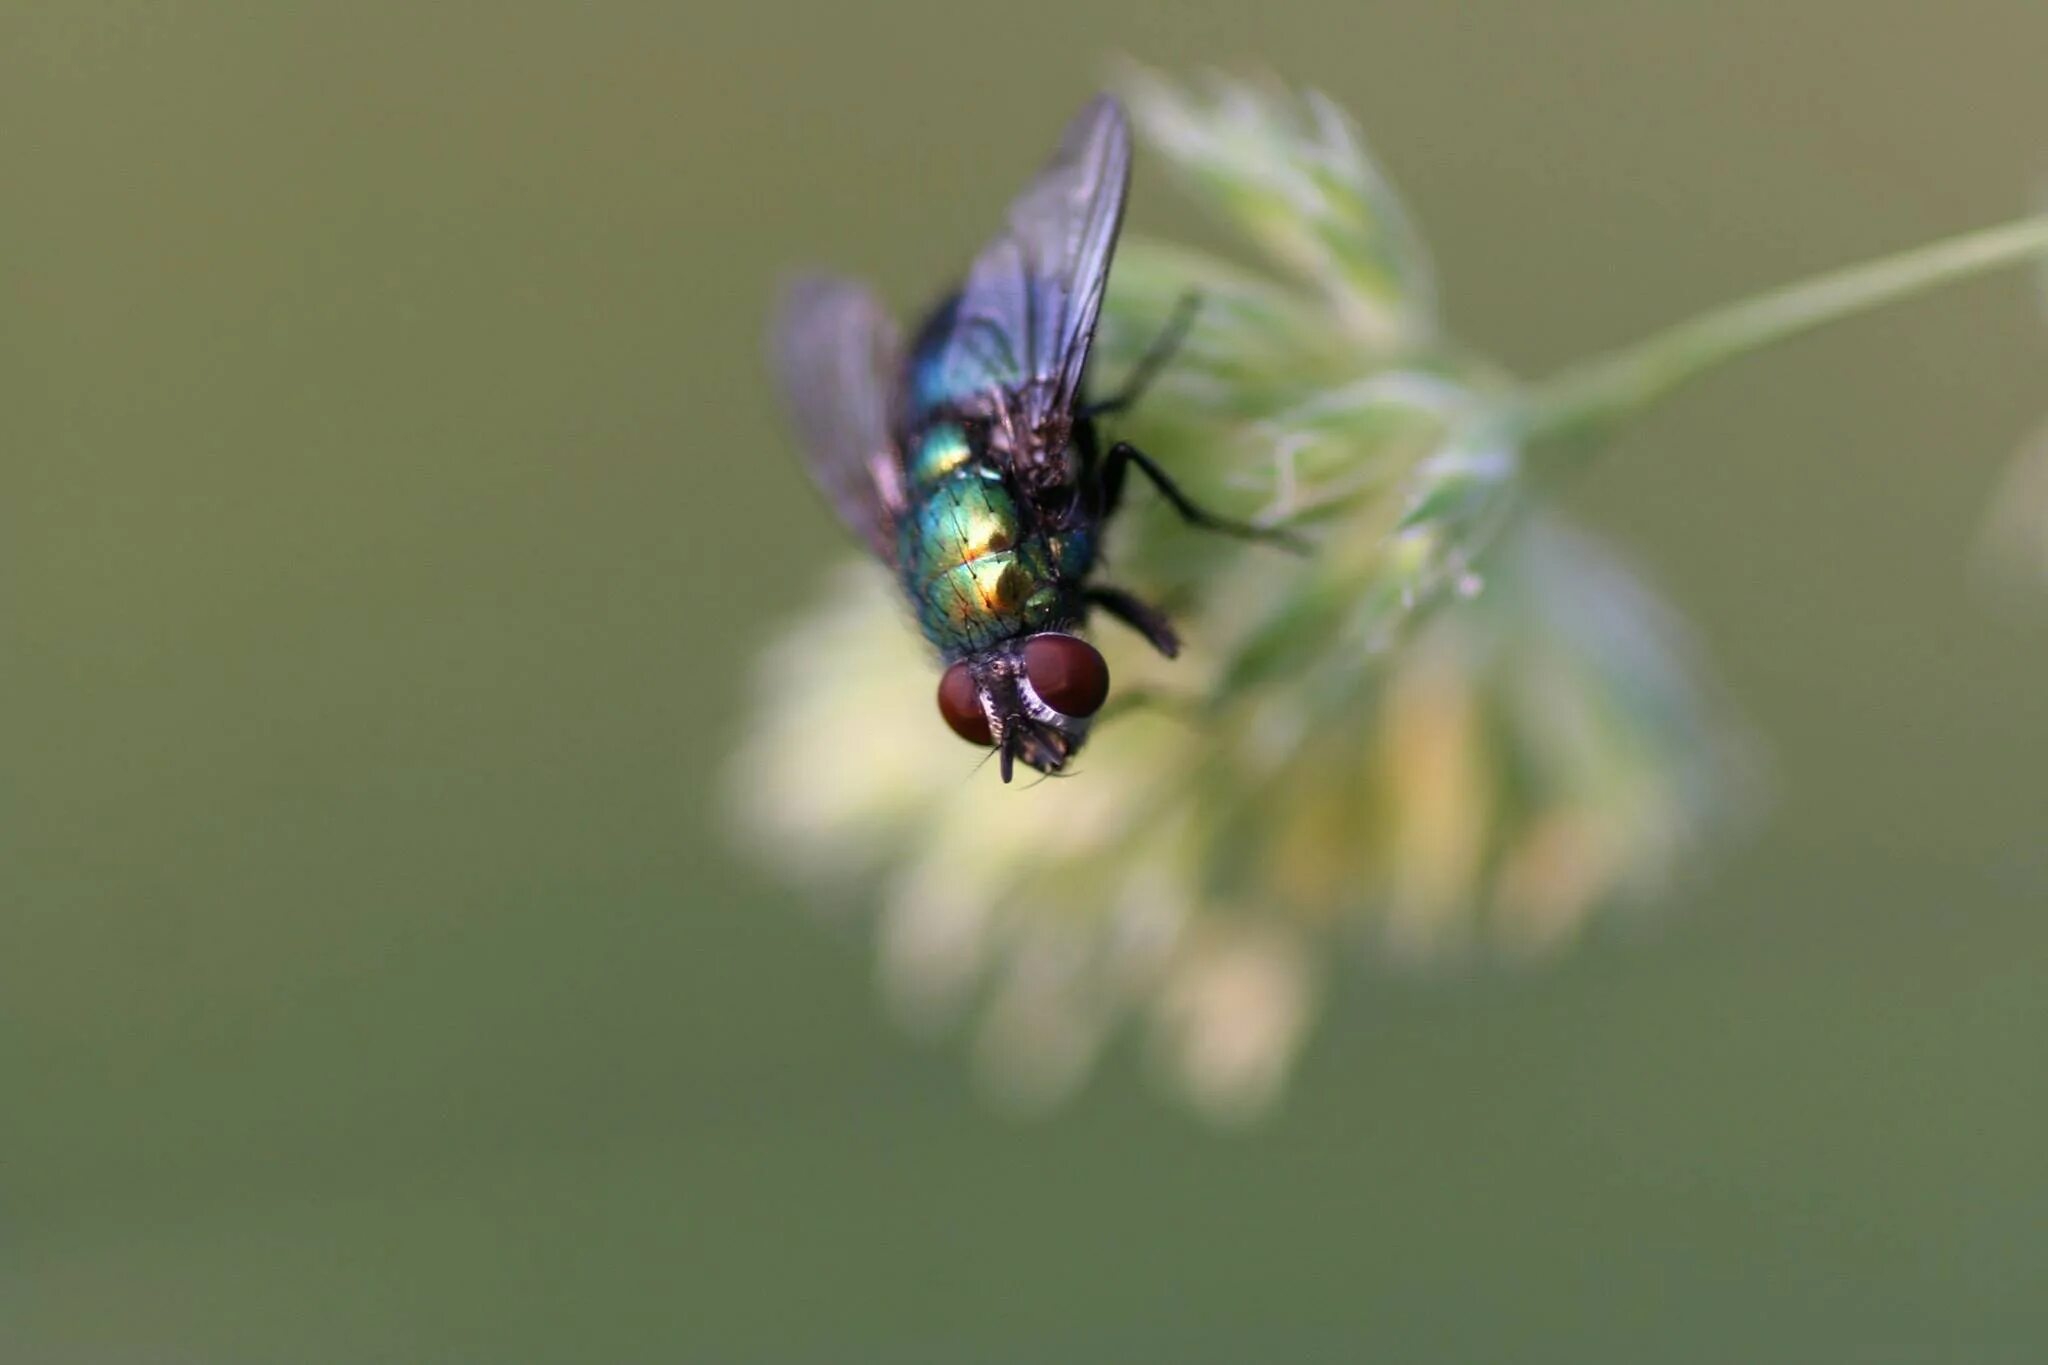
[1588, 399]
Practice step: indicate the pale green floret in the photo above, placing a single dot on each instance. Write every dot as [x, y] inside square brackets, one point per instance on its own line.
[1459, 726]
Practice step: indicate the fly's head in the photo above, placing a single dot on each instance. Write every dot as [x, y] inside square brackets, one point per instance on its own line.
[1031, 699]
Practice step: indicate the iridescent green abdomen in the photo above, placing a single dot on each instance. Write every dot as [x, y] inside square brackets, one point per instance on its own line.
[975, 571]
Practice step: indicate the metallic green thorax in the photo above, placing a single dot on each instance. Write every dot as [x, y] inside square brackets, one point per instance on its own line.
[977, 571]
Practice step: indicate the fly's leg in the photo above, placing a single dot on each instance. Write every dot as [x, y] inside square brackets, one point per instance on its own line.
[1123, 455]
[1153, 361]
[1140, 616]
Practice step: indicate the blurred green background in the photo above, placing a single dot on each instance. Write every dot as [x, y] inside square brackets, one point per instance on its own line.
[391, 503]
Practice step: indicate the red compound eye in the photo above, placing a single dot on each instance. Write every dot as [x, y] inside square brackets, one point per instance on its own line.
[960, 704]
[1067, 674]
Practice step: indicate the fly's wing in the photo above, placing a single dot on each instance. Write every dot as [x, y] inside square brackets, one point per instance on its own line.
[839, 358]
[1023, 321]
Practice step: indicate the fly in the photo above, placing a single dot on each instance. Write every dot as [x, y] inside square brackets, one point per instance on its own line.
[969, 460]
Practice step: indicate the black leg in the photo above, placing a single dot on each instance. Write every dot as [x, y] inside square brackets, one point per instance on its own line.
[1142, 617]
[1153, 361]
[1123, 454]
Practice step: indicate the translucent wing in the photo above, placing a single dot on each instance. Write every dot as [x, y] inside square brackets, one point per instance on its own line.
[839, 357]
[1023, 321]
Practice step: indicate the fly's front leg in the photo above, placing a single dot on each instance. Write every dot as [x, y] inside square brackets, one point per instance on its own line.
[1123, 455]
[1153, 361]
[1140, 616]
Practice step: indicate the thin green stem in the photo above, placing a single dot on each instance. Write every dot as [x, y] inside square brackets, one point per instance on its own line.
[1588, 399]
